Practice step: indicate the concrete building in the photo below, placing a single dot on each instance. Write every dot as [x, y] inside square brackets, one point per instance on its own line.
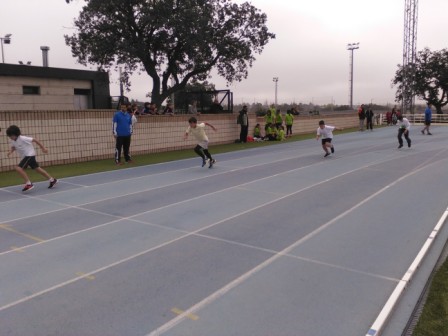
[25, 87]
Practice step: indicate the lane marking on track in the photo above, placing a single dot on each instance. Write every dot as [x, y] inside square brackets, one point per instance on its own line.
[189, 234]
[10, 229]
[85, 275]
[242, 278]
[238, 281]
[380, 322]
[17, 249]
[189, 316]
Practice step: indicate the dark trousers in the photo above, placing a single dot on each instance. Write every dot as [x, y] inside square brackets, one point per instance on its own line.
[243, 133]
[288, 129]
[122, 142]
[406, 136]
[369, 124]
[202, 152]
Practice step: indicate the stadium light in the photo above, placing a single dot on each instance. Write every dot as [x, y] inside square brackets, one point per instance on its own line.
[5, 40]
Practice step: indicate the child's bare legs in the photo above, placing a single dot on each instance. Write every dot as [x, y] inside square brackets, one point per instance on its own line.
[326, 146]
[44, 173]
[24, 175]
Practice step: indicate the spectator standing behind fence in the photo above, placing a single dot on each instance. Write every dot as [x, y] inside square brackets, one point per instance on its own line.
[134, 110]
[24, 146]
[168, 110]
[362, 117]
[243, 121]
[369, 118]
[192, 108]
[289, 120]
[122, 127]
[216, 107]
[428, 118]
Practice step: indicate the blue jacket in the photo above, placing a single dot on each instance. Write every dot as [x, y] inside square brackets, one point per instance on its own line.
[428, 114]
[122, 124]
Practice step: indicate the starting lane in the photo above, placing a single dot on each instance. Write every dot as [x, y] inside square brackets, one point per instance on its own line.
[316, 249]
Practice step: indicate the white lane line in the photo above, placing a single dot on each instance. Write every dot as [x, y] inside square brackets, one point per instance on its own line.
[233, 169]
[383, 317]
[219, 293]
[186, 313]
[69, 206]
[119, 218]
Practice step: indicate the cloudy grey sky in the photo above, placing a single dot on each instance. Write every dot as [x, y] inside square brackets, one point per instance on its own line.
[309, 54]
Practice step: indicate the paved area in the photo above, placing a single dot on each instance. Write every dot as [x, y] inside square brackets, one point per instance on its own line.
[271, 241]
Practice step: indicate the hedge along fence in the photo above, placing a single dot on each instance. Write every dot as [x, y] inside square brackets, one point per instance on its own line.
[79, 136]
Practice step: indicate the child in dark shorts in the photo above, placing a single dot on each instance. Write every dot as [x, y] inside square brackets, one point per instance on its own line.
[23, 145]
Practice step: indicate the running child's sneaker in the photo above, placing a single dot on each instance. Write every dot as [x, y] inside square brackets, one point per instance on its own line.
[212, 162]
[52, 183]
[204, 162]
[326, 154]
[332, 150]
[27, 187]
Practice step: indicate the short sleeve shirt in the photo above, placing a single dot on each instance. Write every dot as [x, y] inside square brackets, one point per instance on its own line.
[198, 132]
[326, 132]
[24, 146]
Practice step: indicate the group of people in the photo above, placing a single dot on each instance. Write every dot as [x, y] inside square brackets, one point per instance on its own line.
[366, 116]
[124, 120]
[392, 116]
[273, 129]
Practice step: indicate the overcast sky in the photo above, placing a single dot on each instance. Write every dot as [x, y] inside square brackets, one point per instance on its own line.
[309, 53]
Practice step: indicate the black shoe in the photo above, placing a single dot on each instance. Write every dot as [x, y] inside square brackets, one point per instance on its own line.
[52, 183]
[212, 162]
[204, 162]
[409, 145]
[400, 146]
[429, 133]
[423, 132]
[332, 149]
[326, 154]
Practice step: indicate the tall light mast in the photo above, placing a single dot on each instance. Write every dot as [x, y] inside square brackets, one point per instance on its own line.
[409, 53]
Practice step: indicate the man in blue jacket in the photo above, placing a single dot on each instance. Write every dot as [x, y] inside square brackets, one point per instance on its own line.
[428, 117]
[122, 126]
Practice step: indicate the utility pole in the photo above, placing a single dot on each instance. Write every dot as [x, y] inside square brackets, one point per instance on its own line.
[351, 47]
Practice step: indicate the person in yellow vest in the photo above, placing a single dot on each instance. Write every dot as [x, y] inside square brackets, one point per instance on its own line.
[268, 118]
[289, 120]
[281, 134]
[278, 119]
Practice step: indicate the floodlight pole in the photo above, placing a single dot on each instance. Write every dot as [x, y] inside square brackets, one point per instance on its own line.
[6, 39]
[275, 80]
[352, 47]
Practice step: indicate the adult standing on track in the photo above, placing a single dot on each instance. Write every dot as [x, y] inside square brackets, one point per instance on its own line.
[369, 118]
[428, 117]
[403, 129]
[243, 121]
[122, 127]
[362, 117]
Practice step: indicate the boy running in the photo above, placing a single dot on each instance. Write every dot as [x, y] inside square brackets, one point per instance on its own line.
[198, 131]
[325, 132]
[403, 129]
[25, 148]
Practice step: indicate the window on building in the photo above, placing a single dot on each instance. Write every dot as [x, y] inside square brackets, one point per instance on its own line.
[31, 90]
[82, 92]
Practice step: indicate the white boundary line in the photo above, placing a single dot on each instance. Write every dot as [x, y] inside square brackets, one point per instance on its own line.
[378, 325]
[220, 292]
